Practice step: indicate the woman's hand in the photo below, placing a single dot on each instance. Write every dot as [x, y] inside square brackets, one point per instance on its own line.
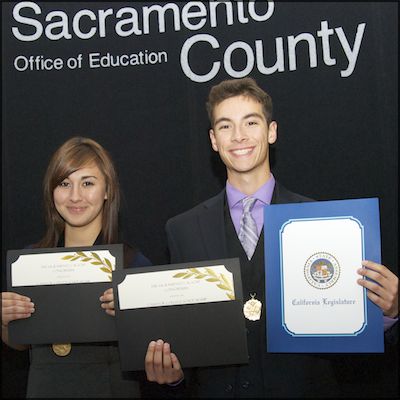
[15, 306]
[107, 300]
[383, 288]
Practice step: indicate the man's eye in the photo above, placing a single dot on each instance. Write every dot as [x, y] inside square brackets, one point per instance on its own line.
[253, 123]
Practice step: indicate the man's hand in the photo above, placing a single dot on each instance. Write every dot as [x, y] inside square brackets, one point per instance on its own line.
[383, 290]
[161, 365]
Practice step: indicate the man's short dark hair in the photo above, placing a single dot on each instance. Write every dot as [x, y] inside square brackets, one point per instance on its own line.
[238, 87]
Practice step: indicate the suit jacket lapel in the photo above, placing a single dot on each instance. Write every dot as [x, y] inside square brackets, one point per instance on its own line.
[276, 195]
[212, 224]
[280, 196]
[212, 227]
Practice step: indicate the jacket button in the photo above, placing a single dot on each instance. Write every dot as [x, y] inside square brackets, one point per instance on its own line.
[245, 384]
[228, 388]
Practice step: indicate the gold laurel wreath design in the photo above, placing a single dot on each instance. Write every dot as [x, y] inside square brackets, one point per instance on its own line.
[94, 259]
[210, 276]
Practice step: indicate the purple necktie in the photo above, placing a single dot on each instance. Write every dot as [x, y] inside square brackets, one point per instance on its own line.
[248, 235]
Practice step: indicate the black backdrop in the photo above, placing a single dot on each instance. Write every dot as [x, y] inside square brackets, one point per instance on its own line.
[337, 125]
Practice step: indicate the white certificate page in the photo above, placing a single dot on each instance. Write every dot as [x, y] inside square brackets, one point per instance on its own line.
[62, 268]
[319, 260]
[174, 287]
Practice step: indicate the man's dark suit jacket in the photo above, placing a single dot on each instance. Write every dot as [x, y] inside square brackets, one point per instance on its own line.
[200, 234]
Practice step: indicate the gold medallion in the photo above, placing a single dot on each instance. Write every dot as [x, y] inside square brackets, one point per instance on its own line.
[61, 349]
[252, 308]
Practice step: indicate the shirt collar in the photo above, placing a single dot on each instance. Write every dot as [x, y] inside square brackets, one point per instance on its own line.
[263, 194]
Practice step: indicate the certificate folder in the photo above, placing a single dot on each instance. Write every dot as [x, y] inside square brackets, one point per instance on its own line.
[201, 334]
[64, 313]
[312, 253]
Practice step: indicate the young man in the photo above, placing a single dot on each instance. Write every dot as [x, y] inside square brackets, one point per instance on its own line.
[241, 132]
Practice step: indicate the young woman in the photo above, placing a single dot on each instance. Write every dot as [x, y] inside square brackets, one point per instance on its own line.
[81, 202]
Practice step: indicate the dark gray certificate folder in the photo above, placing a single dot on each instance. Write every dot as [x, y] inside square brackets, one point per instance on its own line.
[64, 313]
[201, 334]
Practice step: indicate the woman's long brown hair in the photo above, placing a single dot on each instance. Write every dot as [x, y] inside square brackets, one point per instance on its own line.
[74, 154]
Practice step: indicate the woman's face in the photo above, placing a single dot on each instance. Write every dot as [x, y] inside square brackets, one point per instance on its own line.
[80, 197]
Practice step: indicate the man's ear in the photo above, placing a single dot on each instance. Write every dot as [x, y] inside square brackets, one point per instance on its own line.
[272, 132]
[213, 141]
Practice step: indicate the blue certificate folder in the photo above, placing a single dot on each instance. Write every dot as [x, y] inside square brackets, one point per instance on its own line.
[312, 252]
